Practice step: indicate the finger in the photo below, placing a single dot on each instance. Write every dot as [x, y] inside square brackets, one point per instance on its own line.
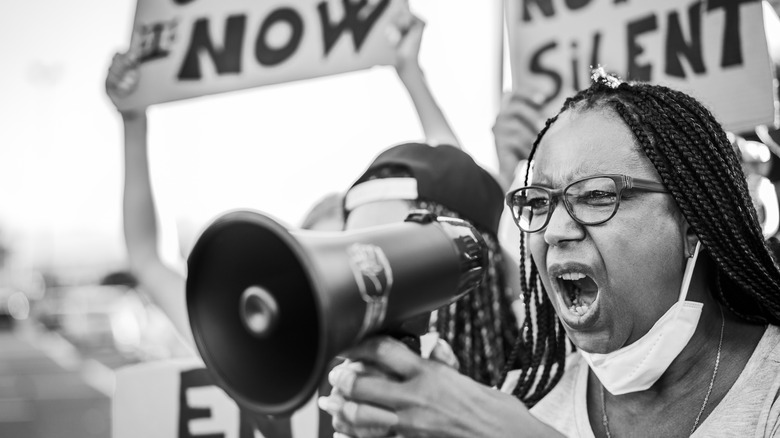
[387, 354]
[366, 415]
[403, 19]
[134, 54]
[345, 429]
[113, 78]
[344, 378]
[349, 420]
[343, 374]
[415, 30]
[443, 353]
[331, 404]
[530, 95]
[126, 83]
[123, 63]
[526, 122]
[377, 389]
[380, 391]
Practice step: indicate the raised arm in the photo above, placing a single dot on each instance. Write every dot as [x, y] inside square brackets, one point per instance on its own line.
[435, 125]
[518, 122]
[164, 284]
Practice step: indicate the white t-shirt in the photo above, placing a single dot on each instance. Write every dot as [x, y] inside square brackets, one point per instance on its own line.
[750, 409]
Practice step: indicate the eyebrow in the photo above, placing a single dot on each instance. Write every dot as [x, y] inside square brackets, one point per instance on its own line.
[580, 171]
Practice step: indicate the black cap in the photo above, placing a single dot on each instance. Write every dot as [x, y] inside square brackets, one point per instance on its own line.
[448, 176]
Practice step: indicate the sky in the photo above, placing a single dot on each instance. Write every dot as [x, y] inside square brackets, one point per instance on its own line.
[277, 149]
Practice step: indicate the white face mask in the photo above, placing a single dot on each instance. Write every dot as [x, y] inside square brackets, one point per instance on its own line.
[637, 366]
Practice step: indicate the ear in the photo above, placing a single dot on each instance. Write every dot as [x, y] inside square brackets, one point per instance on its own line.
[691, 239]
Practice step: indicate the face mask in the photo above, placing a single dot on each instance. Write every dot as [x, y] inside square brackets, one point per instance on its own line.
[637, 366]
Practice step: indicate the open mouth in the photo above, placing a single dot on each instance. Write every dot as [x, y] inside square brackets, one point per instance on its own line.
[578, 290]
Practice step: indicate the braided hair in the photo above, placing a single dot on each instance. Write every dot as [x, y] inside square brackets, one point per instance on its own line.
[480, 327]
[692, 154]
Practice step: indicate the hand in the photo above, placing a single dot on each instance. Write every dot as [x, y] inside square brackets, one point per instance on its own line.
[394, 392]
[122, 79]
[345, 411]
[437, 349]
[519, 120]
[409, 30]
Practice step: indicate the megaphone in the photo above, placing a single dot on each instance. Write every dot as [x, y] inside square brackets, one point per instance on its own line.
[271, 307]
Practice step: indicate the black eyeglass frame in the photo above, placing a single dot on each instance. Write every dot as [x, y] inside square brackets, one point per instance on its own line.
[622, 182]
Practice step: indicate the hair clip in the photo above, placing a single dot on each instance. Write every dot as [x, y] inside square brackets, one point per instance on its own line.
[600, 75]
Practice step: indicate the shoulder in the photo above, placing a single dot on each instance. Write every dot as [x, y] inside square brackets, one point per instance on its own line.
[560, 407]
[566, 395]
[753, 403]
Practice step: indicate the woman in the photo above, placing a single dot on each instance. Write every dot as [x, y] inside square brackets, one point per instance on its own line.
[481, 327]
[650, 190]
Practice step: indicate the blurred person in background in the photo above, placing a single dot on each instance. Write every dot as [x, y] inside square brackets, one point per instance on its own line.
[327, 214]
[480, 327]
[490, 326]
[756, 164]
[139, 326]
[479, 333]
[166, 284]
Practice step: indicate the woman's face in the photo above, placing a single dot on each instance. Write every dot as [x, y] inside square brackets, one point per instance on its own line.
[633, 263]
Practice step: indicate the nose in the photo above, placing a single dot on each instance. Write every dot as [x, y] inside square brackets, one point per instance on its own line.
[562, 227]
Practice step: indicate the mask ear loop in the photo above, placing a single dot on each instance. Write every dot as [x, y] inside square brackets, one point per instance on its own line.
[689, 266]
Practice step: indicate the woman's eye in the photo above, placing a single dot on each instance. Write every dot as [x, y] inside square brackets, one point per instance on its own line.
[598, 197]
[537, 204]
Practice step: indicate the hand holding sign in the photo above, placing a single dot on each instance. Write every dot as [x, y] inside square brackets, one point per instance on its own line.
[409, 29]
[122, 80]
[518, 122]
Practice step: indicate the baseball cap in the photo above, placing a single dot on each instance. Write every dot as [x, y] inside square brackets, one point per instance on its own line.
[443, 174]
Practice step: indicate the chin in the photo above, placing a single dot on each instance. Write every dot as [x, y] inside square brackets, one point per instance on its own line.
[592, 342]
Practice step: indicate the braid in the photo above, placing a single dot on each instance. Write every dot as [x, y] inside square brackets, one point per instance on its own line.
[480, 327]
[537, 340]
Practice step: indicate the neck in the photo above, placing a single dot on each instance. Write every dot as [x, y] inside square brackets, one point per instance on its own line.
[692, 369]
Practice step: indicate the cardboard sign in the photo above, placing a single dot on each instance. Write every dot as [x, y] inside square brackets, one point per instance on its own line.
[714, 50]
[177, 399]
[190, 48]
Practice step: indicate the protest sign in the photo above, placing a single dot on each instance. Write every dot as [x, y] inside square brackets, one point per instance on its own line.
[177, 399]
[715, 50]
[190, 48]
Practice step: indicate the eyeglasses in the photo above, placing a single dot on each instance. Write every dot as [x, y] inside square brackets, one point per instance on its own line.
[589, 201]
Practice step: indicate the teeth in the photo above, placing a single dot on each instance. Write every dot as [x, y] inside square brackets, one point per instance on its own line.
[579, 309]
[571, 276]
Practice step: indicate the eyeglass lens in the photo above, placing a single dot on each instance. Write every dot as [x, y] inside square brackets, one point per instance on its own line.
[589, 201]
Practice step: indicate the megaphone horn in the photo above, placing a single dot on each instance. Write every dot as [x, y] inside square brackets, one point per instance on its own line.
[270, 307]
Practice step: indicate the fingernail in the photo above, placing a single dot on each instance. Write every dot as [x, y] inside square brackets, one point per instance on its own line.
[350, 410]
[343, 379]
[329, 404]
[333, 375]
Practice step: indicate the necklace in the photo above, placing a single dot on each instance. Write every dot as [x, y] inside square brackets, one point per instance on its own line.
[605, 420]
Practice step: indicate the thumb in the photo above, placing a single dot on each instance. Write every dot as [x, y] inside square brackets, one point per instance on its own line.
[442, 352]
